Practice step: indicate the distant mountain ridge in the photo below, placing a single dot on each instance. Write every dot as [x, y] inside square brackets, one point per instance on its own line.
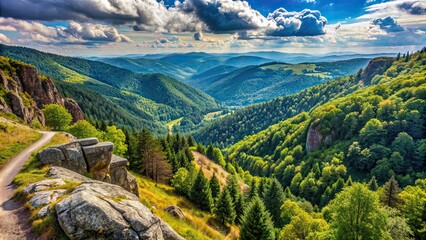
[106, 92]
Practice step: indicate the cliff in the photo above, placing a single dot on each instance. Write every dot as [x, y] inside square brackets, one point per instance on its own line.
[24, 92]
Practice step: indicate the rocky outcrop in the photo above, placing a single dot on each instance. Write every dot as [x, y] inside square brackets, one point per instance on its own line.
[376, 66]
[28, 91]
[91, 157]
[99, 210]
[315, 139]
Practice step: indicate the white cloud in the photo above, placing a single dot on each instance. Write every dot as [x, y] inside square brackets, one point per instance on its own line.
[4, 39]
[85, 33]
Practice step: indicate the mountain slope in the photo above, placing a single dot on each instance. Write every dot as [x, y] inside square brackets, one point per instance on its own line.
[150, 97]
[261, 83]
[376, 131]
[249, 120]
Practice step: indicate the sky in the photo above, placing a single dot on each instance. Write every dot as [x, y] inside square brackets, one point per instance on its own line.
[114, 27]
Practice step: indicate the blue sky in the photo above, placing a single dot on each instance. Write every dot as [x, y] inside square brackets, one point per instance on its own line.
[109, 27]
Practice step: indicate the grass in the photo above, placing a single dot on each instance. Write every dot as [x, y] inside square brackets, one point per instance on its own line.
[198, 224]
[171, 124]
[14, 138]
[299, 69]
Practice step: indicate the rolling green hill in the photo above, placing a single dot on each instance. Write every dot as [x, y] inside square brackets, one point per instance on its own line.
[378, 130]
[106, 92]
[255, 84]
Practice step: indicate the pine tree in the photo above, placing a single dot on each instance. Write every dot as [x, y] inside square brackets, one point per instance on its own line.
[225, 209]
[274, 199]
[390, 194]
[201, 149]
[253, 190]
[349, 182]
[372, 185]
[215, 186]
[200, 193]
[256, 222]
[398, 56]
[209, 152]
[191, 141]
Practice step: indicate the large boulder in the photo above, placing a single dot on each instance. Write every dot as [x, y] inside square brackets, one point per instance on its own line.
[175, 211]
[91, 156]
[98, 210]
[98, 159]
[120, 176]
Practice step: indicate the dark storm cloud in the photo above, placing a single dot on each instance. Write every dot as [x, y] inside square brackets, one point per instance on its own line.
[187, 16]
[388, 24]
[415, 8]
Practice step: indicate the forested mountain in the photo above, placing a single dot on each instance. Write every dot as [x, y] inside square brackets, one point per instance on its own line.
[249, 120]
[379, 131]
[261, 83]
[144, 65]
[128, 98]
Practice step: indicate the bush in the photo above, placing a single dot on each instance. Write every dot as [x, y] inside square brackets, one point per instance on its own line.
[57, 117]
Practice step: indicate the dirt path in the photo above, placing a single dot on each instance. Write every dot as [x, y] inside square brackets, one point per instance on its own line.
[13, 215]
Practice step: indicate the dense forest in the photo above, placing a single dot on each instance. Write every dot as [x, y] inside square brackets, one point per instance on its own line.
[252, 119]
[260, 83]
[155, 99]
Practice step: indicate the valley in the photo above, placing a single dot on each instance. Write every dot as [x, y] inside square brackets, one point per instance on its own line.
[220, 145]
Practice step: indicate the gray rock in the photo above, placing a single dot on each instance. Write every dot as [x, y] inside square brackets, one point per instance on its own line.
[43, 185]
[46, 197]
[75, 160]
[51, 156]
[120, 176]
[106, 211]
[66, 174]
[98, 159]
[88, 141]
[44, 211]
[175, 211]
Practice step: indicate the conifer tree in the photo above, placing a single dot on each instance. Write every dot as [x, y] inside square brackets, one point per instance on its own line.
[209, 152]
[253, 190]
[225, 209]
[215, 186]
[256, 222]
[201, 194]
[201, 149]
[372, 185]
[191, 141]
[349, 181]
[274, 199]
[390, 193]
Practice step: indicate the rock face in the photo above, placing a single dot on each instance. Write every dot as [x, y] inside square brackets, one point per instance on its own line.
[28, 91]
[376, 66]
[315, 139]
[98, 210]
[89, 156]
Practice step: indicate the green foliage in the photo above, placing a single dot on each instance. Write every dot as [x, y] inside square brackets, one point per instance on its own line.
[83, 129]
[56, 116]
[356, 214]
[215, 186]
[225, 209]
[218, 157]
[256, 222]
[389, 195]
[414, 207]
[116, 136]
[179, 181]
[200, 193]
[274, 199]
